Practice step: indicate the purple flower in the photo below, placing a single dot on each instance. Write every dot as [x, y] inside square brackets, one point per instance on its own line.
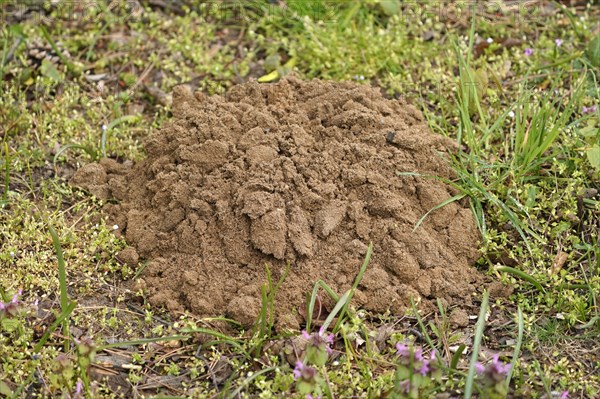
[499, 367]
[480, 368]
[419, 355]
[15, 298]
[78, 390]
[12, 307]
[402, 350]
[320, 339]
[304, 372]
[298, 369]
[405, 386]
[589, 110]
[558, 42]
[557, 395]
[416, 360]
[528, 51]
[496, 371]
[424, 369]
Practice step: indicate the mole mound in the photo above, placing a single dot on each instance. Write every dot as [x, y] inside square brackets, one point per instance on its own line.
[304, 173]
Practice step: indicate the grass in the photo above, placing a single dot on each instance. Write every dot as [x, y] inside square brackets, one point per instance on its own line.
[479, 328]
[526, 161]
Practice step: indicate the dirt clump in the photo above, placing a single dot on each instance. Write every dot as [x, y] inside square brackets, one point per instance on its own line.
[305, 173]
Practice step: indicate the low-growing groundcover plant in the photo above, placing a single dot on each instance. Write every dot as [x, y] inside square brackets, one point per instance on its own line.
[518, 90]
[416, 375]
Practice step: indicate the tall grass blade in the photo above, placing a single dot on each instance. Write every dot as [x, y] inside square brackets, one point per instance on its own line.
[312, 300]
[62, 279]
[91, 152]
[342, 303]
[262, 317]
[6, 171]
[70, 66]
[470, 382]
[521, 274]
[438, 206]
[143, 341]
[247, 381]
[3, 58]
[357, 281]
[421, 324]
[62, 317]
[456, 357]
[521, 326]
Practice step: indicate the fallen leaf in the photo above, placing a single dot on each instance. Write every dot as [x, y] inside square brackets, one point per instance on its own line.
[559, 261]
[593, 155]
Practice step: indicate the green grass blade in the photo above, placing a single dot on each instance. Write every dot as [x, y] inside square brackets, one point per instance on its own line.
[70, 66]
[222, 337]
[143, 341]
[262, 317]
[456, 357]
[311, 306]
[62, 279]
[357, 281]
[65, 147]
[62, 317]
[3, 58]
[438, 206]
[470, 382]
[313, 299]
[342, 303]
[236, 393]
[421, 324]
[521, 274]
[329, 291]
[6, 170]
[521, 326]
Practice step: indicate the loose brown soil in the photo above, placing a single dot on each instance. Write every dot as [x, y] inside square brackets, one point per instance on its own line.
[304, 173]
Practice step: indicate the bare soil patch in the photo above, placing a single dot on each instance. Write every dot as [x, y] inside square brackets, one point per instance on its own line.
[295, 172]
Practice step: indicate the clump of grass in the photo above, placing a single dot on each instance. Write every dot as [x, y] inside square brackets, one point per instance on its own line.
[100, 152]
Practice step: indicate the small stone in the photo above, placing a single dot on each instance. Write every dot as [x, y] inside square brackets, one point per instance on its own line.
[92, 177]
[329, 217]
[459, 318]
[129, 256]
[499, 290]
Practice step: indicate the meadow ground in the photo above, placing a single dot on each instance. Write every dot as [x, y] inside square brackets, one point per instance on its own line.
[516, 85]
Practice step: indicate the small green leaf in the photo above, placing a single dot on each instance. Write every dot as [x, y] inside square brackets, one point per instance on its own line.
[272, 62]
[589, 131]
[49, 70]
[593, 51]
[456, 357]
[270, 77]
[5, 389]
[390, 7]
[17, 30]
[593, 155]
[9, 325]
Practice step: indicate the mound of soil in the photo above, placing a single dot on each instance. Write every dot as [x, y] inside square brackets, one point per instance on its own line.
[298, 173]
